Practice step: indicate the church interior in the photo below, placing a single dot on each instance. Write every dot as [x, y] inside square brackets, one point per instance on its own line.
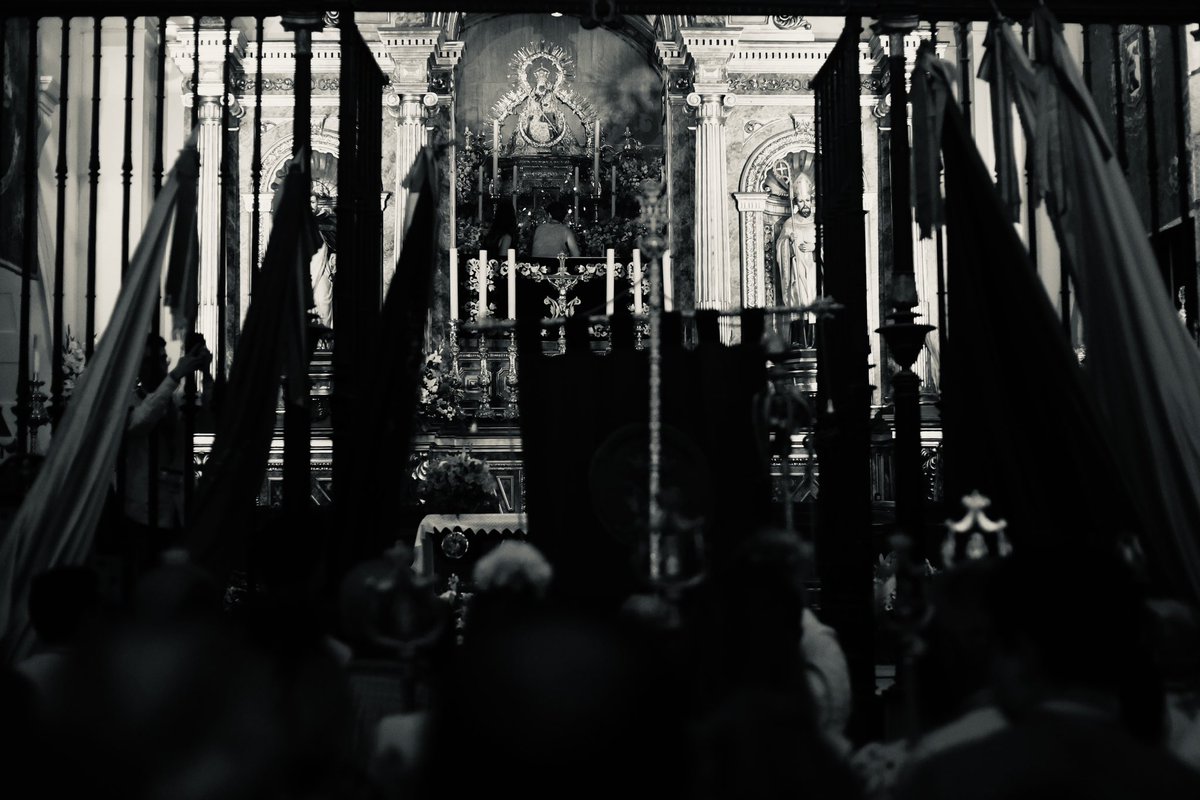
[574, 397]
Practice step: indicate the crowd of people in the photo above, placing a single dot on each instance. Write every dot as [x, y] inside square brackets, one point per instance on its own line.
[1034, 679]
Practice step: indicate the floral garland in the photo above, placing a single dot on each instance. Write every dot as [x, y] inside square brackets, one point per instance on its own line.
[441, 391]
[74, 361]
[459, 484]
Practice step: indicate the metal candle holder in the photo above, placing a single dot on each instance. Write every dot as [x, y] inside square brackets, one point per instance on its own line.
[484, 411]
[511, 411]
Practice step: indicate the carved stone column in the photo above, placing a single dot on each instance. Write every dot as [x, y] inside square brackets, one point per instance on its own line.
[712, 194]
[708, 51]
[210, 92]
[412, 51]
[750, 206]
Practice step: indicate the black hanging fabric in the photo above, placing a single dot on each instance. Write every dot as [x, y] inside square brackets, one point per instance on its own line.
[584, 430]
[393, 394]
[1020, 426]
[234, 472]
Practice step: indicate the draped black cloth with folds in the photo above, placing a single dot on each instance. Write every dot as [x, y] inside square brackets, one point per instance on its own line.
[584, 427]
[1020, 425]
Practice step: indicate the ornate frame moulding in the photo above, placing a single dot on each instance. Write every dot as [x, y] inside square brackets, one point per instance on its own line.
[758, 286]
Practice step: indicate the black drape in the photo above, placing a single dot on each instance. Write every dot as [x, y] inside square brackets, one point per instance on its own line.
[1019, 424]
[584, 422]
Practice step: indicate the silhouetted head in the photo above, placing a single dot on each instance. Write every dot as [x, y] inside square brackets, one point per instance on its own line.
[154, 362]
[557, 210]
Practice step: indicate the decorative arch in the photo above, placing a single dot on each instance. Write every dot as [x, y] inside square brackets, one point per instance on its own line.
[323, 141]
[758, 208]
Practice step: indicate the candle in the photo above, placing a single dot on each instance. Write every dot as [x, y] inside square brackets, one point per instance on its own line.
[612, 191]
[37, 359]
[496, 152]
[453, 283]
[666, 280]
[514, 188]
[596, 155]
[512, 283]
[636, 281]
[481, 312]
[610, 284]
[576, 217]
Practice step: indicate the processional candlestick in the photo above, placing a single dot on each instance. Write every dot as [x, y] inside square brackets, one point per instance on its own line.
[653, 245]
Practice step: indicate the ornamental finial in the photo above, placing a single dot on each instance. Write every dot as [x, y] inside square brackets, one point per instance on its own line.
[976, 536]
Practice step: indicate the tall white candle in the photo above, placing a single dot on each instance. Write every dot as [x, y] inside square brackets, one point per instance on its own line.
[37, 359]
[636, 281]
[512, 283]
[576, 217]
[496, 152]
[453, 283]
[514, 187]
[610, 283]
[482, 312]
[666, 280]
[596, 156]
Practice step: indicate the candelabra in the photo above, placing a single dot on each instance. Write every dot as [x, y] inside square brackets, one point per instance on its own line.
[510, 410]
[37, 416]
[455, 369]
[484, 411]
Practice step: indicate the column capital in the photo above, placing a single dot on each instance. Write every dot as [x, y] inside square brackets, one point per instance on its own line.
[751, 201]
[413, 52]
[712, 102]
[708, 51]
[212, 54]
[408, 108]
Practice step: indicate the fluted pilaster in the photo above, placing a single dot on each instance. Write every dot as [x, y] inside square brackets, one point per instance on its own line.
[409, 112]
[209, 217]
[712, 194]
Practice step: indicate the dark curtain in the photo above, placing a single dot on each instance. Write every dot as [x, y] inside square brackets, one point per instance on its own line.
[266, 350]
[585, 436]
[1020, 426]
[393, 390]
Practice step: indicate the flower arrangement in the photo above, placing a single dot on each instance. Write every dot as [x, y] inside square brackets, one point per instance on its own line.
[441, 391]
[74, 360]
[514, 566]
[459, 484]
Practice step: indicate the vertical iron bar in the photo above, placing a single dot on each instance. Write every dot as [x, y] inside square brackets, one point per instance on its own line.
[966, 76]
[127, 161]
[1119, 99]
[160, 94]
[224, 181]
[56, 350]
[256, 158]
[1151, 130]
[29, 224]
[93, 190]
[1031, 237]
[297, 445]
[189, 381]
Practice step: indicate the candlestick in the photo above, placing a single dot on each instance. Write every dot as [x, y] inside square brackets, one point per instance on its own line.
[481, 312]
[610, 284]
[512, 284]
[666, 273]
[496, 151]
[454, 283]
[596, 154]
[612, 191]
[636, 281]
